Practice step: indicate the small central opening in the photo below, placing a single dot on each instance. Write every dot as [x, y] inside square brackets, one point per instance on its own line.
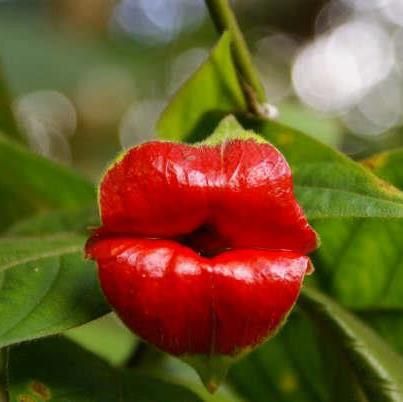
[205, 240]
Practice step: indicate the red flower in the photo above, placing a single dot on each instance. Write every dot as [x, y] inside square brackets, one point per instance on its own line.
[202, 248]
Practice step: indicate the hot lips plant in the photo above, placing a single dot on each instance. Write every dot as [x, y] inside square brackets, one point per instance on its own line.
[203, 249]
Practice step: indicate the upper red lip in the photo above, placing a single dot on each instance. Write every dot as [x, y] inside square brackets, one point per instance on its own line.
[194, 202]
[235, 195]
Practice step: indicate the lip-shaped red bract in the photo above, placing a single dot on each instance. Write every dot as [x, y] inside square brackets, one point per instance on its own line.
[201, 249]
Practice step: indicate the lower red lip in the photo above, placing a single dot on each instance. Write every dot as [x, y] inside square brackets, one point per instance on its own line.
[188, 304]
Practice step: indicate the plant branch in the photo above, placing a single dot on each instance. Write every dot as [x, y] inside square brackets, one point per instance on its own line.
[225, 20]
[7, 118]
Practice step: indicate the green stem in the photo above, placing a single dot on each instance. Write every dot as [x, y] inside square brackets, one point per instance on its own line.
[7, 118]
[225, 20]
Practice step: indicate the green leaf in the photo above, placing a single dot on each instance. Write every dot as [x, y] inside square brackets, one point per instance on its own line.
[31, 184]
[376, 369]
[212, 92]
[73, 374]
[344, 271]
[365, 256]
[46, 287]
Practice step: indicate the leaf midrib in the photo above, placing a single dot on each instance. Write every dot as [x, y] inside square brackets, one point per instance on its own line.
[40, 256]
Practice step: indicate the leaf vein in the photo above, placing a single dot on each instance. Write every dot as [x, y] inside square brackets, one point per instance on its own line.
[41, 256]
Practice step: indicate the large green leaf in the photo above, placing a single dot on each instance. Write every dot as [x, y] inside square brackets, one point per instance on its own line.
[365, 256]
[329, 357]
[212, 92]
[46, 287]
[30, 184]
[58, 370]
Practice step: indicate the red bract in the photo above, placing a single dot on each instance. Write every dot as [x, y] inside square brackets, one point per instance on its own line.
[202, 248]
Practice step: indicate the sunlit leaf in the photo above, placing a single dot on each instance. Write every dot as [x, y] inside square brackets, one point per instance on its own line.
[212, 92]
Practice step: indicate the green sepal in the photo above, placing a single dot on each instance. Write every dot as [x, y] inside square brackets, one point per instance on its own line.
[229, 129]
[212, 369]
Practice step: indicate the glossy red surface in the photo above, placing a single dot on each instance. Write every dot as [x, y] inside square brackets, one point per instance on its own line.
[235, 195]
[201, 249]
[187, 304]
